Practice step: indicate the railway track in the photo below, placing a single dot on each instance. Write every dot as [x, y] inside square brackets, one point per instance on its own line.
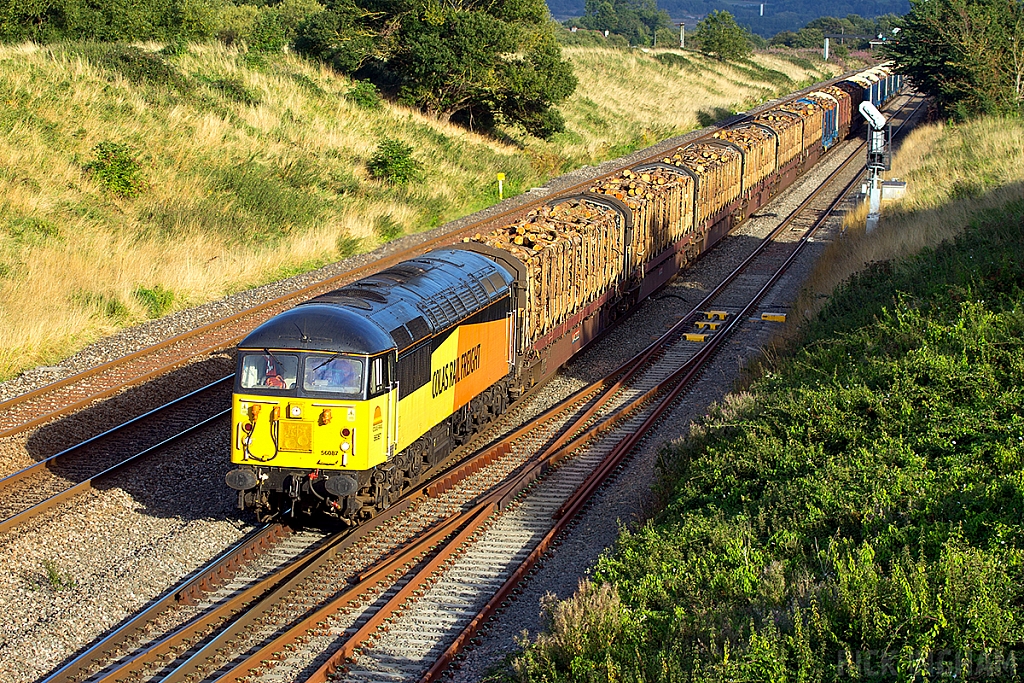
[37, 488]
[46, 403]
[439, 564]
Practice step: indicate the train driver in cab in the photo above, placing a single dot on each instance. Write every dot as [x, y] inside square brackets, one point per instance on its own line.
[269, 371]
[334, 374]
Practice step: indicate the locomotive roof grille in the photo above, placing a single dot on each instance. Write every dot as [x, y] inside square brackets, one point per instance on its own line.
[418, 327]
[401, 336]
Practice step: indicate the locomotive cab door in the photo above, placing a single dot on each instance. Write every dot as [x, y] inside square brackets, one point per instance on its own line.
[384, 399]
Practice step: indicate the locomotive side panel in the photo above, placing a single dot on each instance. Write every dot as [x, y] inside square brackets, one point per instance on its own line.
[464, 362]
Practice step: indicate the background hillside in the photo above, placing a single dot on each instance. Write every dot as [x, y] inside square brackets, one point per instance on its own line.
[779, 15]
[136, 182]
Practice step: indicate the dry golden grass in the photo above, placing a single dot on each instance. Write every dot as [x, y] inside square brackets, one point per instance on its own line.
[243, 192]
[953, 173]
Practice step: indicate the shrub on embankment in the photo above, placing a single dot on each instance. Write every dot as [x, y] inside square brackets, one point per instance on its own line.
[856, 514]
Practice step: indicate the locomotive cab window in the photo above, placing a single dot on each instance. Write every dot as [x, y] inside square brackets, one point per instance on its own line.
[268, 371]
[333, 374]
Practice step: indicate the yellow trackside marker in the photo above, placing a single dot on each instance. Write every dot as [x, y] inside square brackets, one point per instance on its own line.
[774, 317]
[707, 324]
[694, 337]
[716, 314]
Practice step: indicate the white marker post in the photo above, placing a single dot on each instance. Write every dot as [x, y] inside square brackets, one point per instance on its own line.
[501, 187]
[876, 160]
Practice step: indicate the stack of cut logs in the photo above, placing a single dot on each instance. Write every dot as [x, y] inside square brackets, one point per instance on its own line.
[842, 97]
[811, 114]
[758, 147]
[790, 130]
[662, 203]
[573, 252]
[718, 168]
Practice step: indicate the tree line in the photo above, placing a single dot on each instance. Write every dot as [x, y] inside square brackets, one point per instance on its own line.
[813, 34]
[486, 62]
[479, 63]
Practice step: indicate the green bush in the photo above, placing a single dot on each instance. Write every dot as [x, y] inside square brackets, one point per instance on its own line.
[116, 169]
[347, 245]
[196, 19]
[135, 64]
[268, 32]
[109, 307]
[268, 206]
[33, 231]
[157, 300]
[232, 88]
[393, 162]
[261, 29]
[335, 37]
[676, 60]
[718, 34]
[176, 47]
[387, 228]
[364, 94]
[235, 23]
[291, 14]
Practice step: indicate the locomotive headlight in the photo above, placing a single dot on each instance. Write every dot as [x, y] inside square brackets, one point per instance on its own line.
[294, 411]
[346, 446]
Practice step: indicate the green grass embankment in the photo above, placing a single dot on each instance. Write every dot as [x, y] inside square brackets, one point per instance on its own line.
[856, 514]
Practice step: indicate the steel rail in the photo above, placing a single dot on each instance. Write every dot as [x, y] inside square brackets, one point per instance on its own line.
[50, 461]
[332, 282]
[455, 473]
[87, 484]
[240, 609]
[470, 522]
[501, 494]
[218, 570]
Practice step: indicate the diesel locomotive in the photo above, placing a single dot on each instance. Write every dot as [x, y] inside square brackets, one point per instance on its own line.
[343, 402]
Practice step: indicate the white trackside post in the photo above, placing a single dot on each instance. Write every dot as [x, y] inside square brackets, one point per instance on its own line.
[876, 160]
